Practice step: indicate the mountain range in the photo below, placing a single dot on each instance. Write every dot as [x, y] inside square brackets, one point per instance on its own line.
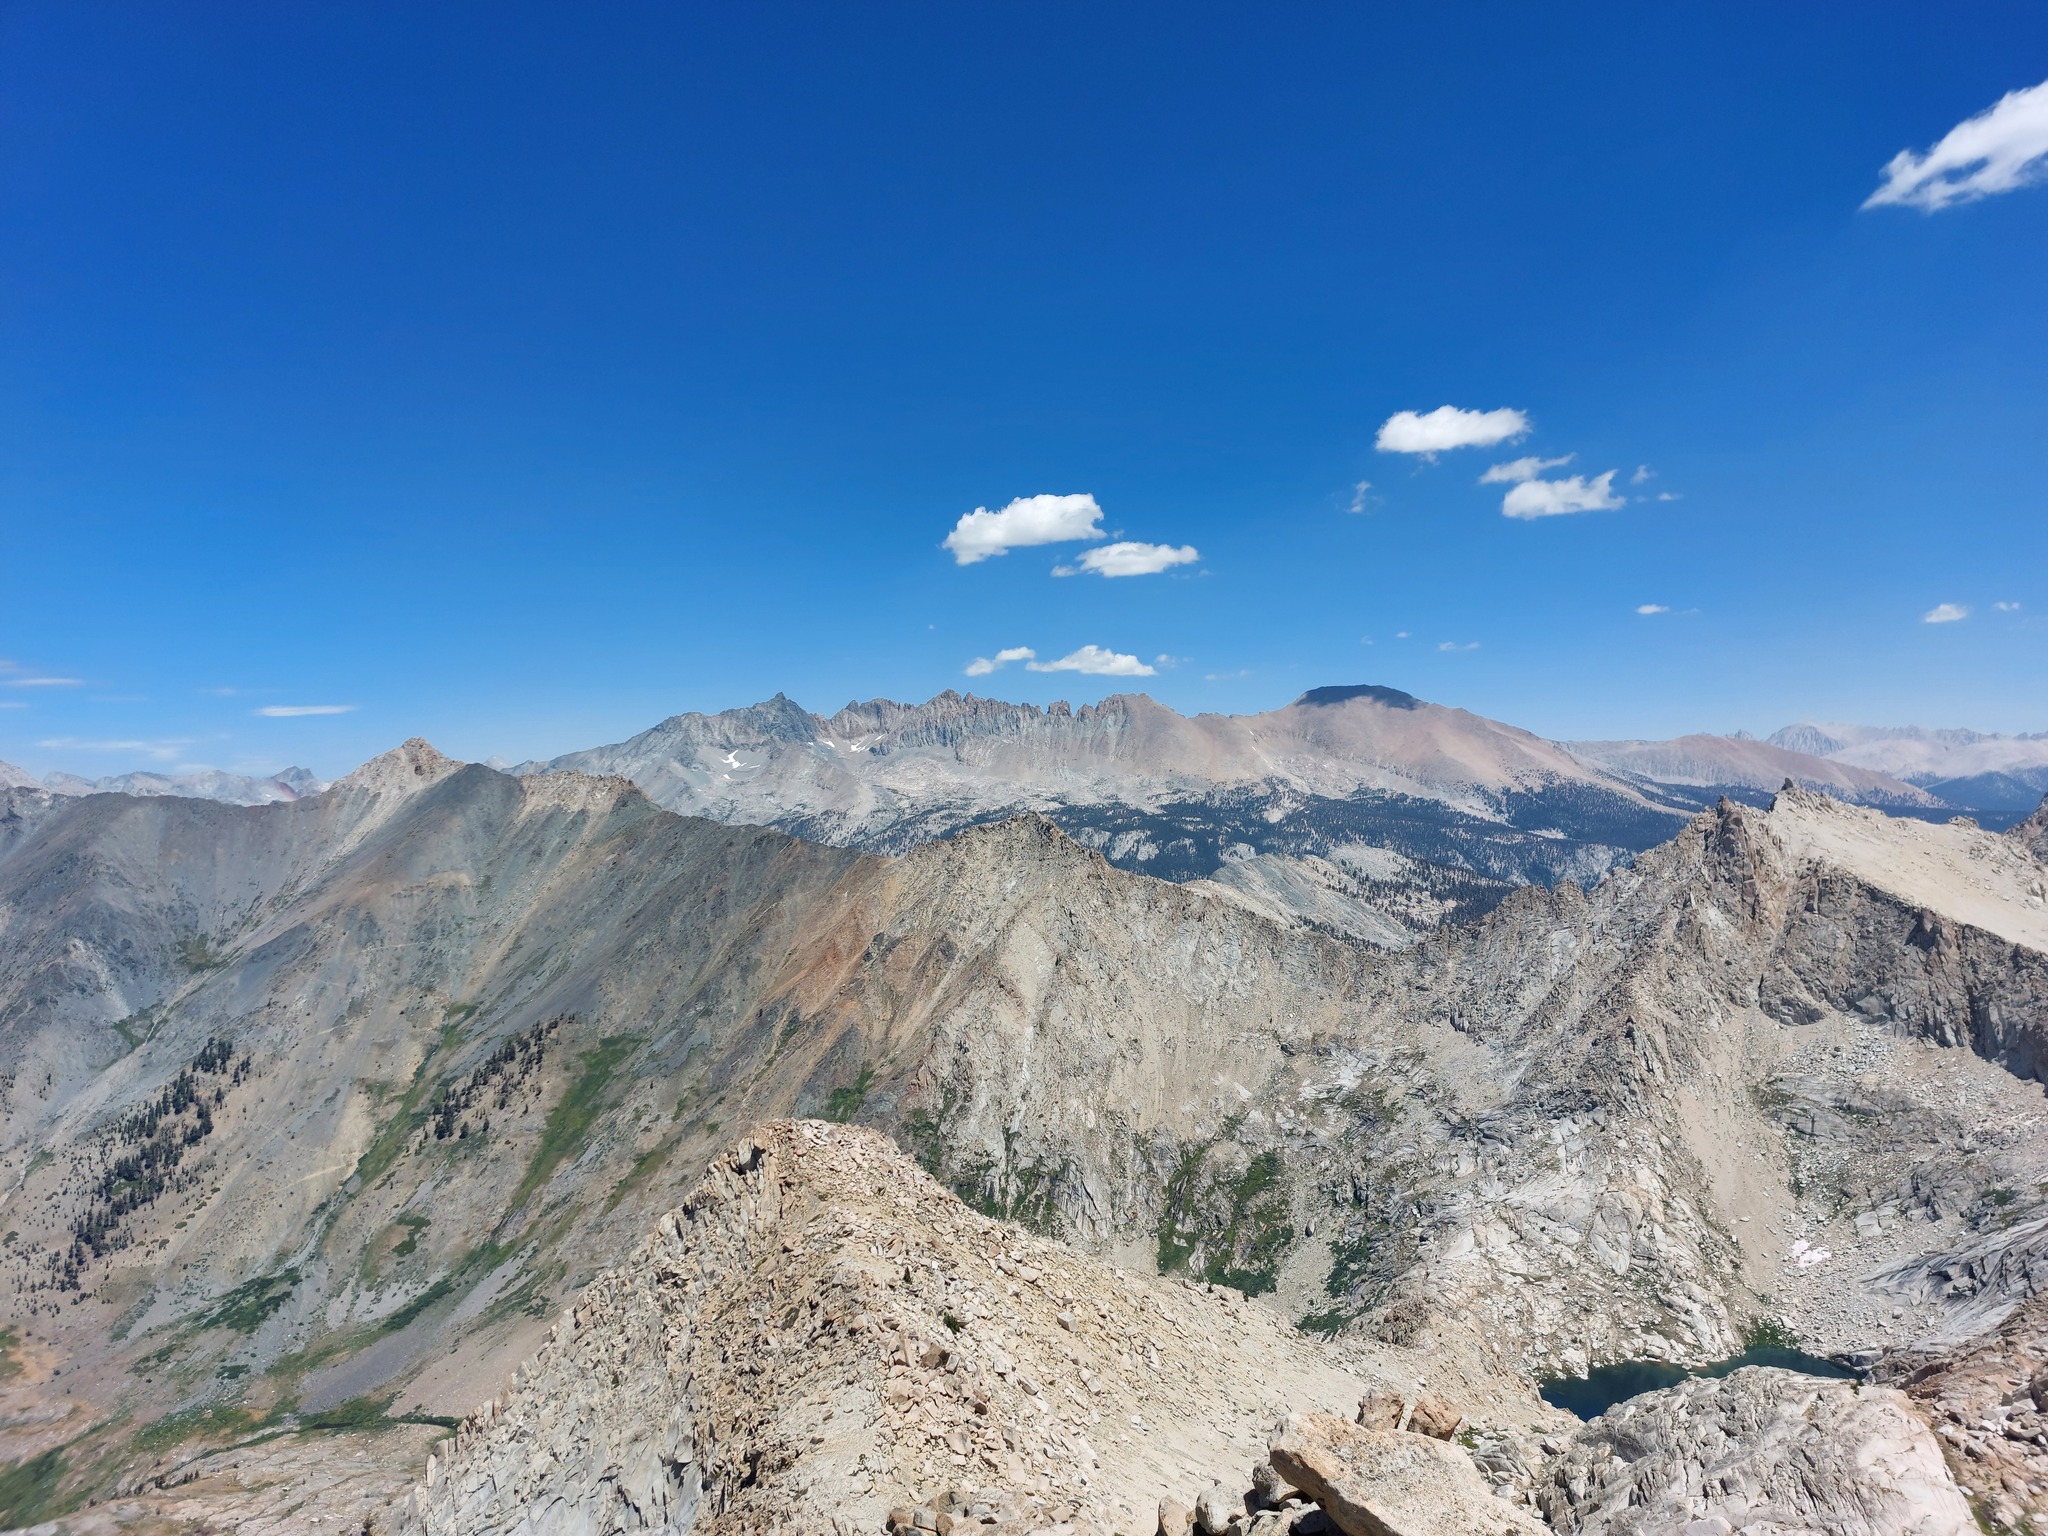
[324, 1121]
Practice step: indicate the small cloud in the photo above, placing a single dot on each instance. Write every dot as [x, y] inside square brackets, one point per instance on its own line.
[1945, 613]
[1555, 498]
[13, 704]
[1400, 634]
[1359, 496]
[981, 666]
[293, 711]
[1129, 559]
[1226, 677]
[1515, 471]
[1096, 662]
[1447, 427]
[1026, 521]
[1164, 660]
[2001, 149]
[224, 693]
[2005, 607]
[1669, 496]
[1643, 473]
[164, 750]
[1452, 645]
[1646, 609]
[45, 682]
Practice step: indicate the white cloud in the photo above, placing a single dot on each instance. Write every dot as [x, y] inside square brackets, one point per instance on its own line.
[2001, 149]
[13, 704]
[1452, 645]
[1448, 427]
[1554, 498]
[1358, 496]
[1129, 559]
[293, 711]
[1945, 613]
[1643, 473]
[1646, 609]
[981, 666]
[1027, 520]
[1669, 496]
[1400, 634]
[1226, 677]
[164, 750]
[1096, 662]
[2006, 607]
[1515, 471]
[45, 682]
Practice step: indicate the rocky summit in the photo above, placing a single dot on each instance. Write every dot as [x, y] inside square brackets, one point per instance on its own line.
[755, 1183]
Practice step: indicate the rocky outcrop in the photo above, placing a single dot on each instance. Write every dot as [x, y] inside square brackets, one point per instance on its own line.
[1760, 1450]
[1988, 1401]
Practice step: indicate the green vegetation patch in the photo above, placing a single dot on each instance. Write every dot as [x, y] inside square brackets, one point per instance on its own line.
[569, 1122]
[32, 1491]
[845, 1102]
[1232, 1229]
[250, 1304]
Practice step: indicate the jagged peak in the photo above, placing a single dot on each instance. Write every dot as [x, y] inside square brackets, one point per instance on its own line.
[413, 764]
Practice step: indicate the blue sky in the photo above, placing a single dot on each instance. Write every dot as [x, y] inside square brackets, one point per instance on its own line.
[519, 375]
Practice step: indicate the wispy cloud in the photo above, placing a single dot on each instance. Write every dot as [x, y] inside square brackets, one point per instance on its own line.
[1647, 609]
[1226, 677]
[1946, 613]
[1669, 496]
[1515, 471]
[13, 704]
[1026, 521]
[293, 711]
[2001, 149]
[1452, 645]
[1446, 427]
[1096, 662]
[2005, 607]
[1555, 498]
[163, 750]
[45, 682]
[1129, 559]
[1642, 475]
[981, 666]
[1360, 495]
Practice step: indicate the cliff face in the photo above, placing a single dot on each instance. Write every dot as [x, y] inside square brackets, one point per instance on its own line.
[333, 1103]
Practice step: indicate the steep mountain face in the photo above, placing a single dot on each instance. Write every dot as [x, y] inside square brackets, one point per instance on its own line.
[1342, 774]
[211, 784]
[321, 1108]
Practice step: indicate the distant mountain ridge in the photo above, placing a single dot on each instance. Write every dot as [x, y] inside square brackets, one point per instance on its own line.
[208, 784]
[1340, 776]
[1997, 778]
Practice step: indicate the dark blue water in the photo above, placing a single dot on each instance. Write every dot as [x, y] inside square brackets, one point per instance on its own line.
[1605, 1385]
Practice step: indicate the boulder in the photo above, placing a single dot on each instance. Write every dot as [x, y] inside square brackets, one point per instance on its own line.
[1388, 1482]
